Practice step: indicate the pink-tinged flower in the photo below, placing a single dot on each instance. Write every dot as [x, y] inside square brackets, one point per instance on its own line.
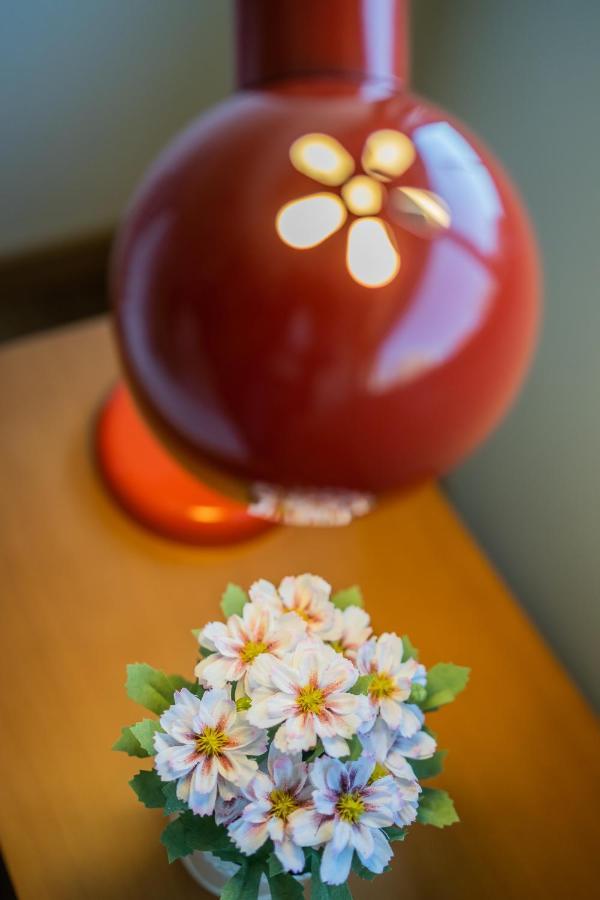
[309, 695]
[350, 631]
[390, 751]
[227, 811]
[347, 814]
[206, 747]
[305, 595]
[274, 797]
[391, 683]
[237, 643]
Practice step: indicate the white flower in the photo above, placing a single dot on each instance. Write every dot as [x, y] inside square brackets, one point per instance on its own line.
[350, 631]
[390, 750]
[237, 643]
[347, 814]
[391, 683]
[305, 595]
[274, 797]
[309, 695]
[303, 506]
[205, 747]
[227, 811]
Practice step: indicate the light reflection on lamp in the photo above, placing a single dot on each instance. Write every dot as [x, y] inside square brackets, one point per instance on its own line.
[387, 154]
[458, 173]
[323, 158]
[421, 212]
[307, 222]
[426, 335]
[206, 514]
[363, 196]
[371, 257]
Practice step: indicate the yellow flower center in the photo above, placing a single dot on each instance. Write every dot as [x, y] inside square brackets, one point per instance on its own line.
[303, 613]
[381, 686]
[310, 699]
[282, 804]
[253, 649]
[350, 807]
[379, 771]
[211, 742]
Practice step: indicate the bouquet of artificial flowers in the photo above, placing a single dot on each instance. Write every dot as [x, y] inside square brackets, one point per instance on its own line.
[300, 748]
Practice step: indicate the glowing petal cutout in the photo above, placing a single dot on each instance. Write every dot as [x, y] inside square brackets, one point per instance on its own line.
[307, 222]
[387, 154]
[322, 158]
[422, 212]
[371, 257]
[363, 195]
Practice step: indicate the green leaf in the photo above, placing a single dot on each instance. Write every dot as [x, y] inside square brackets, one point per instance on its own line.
[148, 787]
[318, 890]
[178, 682]
[234, 855]
[285, 887]
[175, 838]
[151, 688]
[144, 732]
[418, 693]
[190, 832]
[428, 768]
[275, 867]
[339, 892]
[351, 596]
[313, 754]
[361, 685]
[410, 651]
[356, 748]
[129, 744]
[245, 882]
[436, 808]
[233, 600]
[394, 833]
[444, 682]
[362, 871]
[172, 802]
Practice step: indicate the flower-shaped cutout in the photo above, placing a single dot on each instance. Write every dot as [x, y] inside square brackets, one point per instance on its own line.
[372, 256]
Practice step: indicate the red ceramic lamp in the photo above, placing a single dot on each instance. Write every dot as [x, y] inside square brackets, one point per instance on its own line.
[325, 282]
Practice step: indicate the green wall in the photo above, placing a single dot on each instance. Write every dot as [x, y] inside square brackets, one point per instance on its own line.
[525, 74]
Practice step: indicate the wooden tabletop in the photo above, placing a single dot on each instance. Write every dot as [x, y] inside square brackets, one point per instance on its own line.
[84, 591]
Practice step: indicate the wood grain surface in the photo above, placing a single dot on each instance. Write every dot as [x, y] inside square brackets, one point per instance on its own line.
[84, 591]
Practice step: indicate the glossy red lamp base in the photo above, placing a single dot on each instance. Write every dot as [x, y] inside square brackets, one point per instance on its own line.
[156, 490]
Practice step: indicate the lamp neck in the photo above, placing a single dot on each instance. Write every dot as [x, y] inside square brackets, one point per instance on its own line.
[279, 39]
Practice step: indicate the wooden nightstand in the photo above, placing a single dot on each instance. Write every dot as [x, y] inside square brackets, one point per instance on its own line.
[85, 590]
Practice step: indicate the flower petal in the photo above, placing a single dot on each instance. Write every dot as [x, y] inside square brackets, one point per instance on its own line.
[248, 836]
[381, 854]
[335, 746]
[335, 864]
[289, 854]
[308, 828]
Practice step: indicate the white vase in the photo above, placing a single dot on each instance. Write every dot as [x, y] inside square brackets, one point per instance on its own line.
[213, 873]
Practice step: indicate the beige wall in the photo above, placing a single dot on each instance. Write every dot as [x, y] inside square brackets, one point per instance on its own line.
[91, 89]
